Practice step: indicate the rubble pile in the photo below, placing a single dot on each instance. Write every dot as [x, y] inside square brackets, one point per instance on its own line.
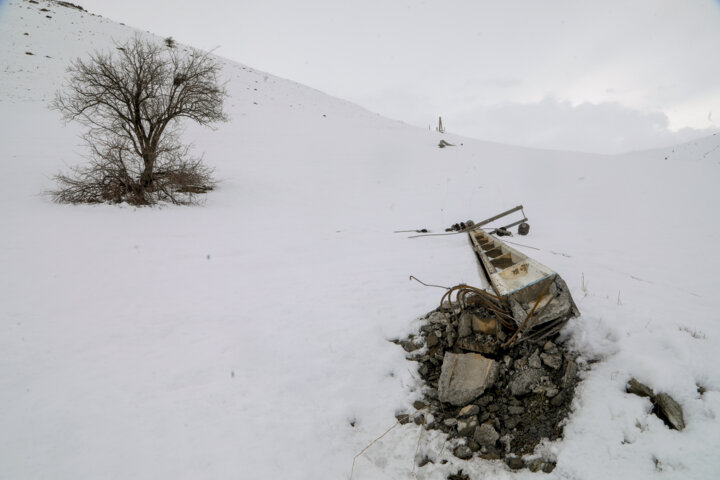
[493, 402]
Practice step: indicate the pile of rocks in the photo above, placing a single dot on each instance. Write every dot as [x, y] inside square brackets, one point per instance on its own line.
[492, 402]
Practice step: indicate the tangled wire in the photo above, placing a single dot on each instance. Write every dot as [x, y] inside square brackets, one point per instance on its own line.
[460, 297]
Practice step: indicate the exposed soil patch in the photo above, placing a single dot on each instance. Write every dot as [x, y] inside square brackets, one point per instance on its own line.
[496, 402]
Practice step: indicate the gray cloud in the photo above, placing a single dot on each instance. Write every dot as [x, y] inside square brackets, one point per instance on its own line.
[550, 123]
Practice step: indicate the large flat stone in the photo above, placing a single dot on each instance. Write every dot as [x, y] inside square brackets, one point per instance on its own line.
[464, 377]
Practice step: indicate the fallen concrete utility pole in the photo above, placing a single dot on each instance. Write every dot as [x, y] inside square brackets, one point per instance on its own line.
[499, 215]
[539, 299]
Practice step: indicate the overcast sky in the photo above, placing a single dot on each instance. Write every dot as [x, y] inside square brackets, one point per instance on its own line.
[601, 76]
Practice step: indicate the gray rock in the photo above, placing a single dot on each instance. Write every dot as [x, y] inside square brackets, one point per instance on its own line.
[637, 388]
[546, 387]
[536, 465]
[466, 426]
[506, 441]
[431, 340]
[469, 410]
[437, 317]
[465, 324]
[485, 435]
[516, 410]
[463, 452]
[409, 345]
[419, 404]
[523, 381]
[553, 361]
[482, 344]
[548, 467]
[512, 422]
[508, 361]
[670, 411]
[534, 360]
[557, 400]
[463, 377]
[450, 422]
[570, 373]
[402, 418]
[515, 463]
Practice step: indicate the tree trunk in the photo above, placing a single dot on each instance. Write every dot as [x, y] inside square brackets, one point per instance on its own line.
[146, 178]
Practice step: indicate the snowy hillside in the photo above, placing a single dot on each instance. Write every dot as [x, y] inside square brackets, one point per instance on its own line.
[247, 338]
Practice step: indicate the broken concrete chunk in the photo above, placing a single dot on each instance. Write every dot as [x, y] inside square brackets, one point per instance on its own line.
[463, 452]
[536, 465]
[487, 345]
[469, 410]
[524, 381]
[516, 410]
[570, 373]
[466, 426]
[534, 360]
[669, 411]
[553, 361]
[515, 463]
[464, 377]
[450, 422]
[485, 326]
[639, 389]
[485, 435]
[437, 317]
[465, 324]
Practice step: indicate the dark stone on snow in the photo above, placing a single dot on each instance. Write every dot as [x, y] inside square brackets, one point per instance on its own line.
[515, 463]
[424, 461]
[458, 476]
[536, 465]
[669, 411]
[463, 452]
[403, 418]
[640, 389]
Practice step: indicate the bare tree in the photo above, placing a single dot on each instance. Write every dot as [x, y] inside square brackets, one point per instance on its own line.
[132, 101]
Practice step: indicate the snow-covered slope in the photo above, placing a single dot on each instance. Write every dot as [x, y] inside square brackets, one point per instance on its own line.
[242, 338]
